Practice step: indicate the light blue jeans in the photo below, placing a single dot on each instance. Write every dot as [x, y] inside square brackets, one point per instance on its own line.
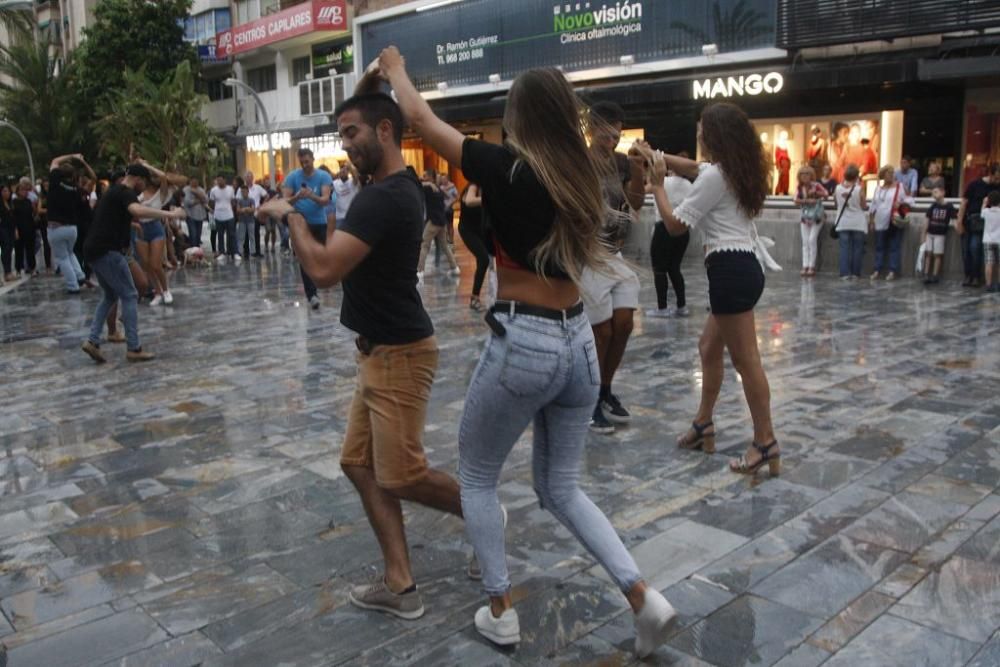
[116, 282]
[244, 227]
[542, 371]
[61, 240]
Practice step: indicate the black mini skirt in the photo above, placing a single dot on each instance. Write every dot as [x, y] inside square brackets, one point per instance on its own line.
[735, 281]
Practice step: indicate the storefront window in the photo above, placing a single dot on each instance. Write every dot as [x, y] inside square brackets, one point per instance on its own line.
[982, 143]
[866, 140]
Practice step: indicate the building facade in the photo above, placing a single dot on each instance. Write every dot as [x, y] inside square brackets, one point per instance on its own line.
[824, 81]
[298, 59]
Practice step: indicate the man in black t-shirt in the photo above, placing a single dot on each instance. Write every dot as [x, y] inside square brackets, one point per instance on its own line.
[373, 254]
[970, 224]
[109, 236]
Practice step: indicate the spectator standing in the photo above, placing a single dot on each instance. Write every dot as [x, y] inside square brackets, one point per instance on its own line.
[939, 216]
[345, 186]
[851, 224]
[308, 190]
[221, 200]
[195, 204]
[932, 180]
[970, 224]
[25, 235]
[244, 208]
[7, 233]
[907, 176]
[888, 239]
[991, 239]
[828, 182]
[809, 196]
[259, 195]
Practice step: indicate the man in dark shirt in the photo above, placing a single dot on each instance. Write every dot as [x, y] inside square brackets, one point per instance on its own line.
[110, 235]
[970, 224]
[373, 253]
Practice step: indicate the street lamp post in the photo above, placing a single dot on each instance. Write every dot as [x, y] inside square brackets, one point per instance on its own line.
[24, 140]
[233, 83]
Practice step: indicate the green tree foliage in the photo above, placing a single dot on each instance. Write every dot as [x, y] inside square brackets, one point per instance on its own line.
[38, 99]
[161, 122]
[127, 34]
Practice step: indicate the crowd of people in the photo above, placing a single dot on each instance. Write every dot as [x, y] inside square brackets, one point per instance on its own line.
[888, 214]
[545, 214]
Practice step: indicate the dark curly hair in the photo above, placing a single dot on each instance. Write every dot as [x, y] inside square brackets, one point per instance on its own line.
[733, 144]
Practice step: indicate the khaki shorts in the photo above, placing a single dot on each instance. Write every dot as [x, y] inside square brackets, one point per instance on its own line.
[604, 293]
[385, 426]
[935, 244]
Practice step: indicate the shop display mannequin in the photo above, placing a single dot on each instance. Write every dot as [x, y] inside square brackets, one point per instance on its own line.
[782, 162]
[816, 152]
[765, 141]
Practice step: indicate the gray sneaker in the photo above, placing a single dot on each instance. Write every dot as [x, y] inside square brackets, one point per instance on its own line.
[680, 312]
[376, 596]
[474, 571]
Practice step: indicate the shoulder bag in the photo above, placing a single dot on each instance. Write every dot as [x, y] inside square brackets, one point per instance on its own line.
[834, 234]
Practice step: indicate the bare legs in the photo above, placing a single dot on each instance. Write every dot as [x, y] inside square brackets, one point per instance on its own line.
[385, 514]
[611, 338]
[737, 334]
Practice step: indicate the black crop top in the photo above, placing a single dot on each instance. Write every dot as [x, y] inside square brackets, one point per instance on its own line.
[519, 210]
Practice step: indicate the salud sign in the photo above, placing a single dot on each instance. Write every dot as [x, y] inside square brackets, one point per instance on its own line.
[326, 15]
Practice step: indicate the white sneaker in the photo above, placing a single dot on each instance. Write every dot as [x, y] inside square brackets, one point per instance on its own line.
[504, 631]
[653, 624]
[237, 258]
[680, 312]
[455, 271]
[420, 276]
[157, 300]
[658, 313]
[221, 259]
[168, 298]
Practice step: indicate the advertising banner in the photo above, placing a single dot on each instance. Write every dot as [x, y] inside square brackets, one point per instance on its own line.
[464, 43]
[329, 15]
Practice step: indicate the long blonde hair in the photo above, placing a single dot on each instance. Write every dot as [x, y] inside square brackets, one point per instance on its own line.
[545, 124]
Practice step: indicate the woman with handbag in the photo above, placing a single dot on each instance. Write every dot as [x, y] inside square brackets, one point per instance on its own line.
[888, 239]
[809, 196]
[851, 224]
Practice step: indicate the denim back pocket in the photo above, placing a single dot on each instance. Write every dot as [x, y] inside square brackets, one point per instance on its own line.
[528, 372]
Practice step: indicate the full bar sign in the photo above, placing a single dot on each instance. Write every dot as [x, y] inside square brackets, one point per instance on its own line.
[328, 15]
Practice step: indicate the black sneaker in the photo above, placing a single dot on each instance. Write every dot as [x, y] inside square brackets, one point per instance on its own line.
[599, 423]
[614, 411]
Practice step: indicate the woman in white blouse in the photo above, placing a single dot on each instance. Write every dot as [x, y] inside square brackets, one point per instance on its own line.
[727, 195]
[887, 198]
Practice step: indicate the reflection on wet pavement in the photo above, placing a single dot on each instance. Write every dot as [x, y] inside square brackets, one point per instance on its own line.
[192, 510]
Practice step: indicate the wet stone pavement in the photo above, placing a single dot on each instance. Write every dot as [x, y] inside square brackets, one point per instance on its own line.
[192, 511]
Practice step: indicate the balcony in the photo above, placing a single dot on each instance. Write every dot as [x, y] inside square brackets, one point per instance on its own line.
[816, 23]
[321, 96]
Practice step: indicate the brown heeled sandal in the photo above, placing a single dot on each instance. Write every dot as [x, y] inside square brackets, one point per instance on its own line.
[773, 461]
[698, 439]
